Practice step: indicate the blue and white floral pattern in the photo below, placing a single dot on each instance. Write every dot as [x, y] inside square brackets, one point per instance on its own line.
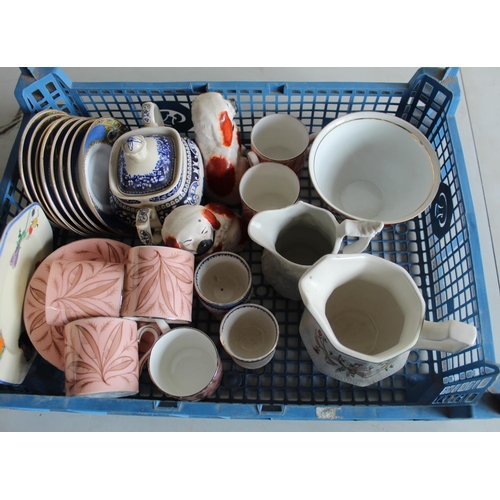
[188, 191]
[157, 180]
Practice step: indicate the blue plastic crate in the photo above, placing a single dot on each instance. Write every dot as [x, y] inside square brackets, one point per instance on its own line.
[440, 249]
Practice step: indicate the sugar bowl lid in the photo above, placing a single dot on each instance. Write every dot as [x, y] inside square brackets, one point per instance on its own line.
[146, 164]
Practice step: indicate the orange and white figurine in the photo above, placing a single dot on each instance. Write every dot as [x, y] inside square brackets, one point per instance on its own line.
[203, 230]
[218, 138]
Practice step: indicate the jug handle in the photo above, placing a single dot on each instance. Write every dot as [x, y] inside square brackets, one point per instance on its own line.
[364, 230]
[447, 336]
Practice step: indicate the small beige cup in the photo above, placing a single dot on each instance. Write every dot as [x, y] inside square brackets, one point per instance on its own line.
[222, 281]
[249, 333]
[268, 186]
[83, 289]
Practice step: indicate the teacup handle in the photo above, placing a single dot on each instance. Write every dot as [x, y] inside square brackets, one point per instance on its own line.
[364, 230]
[253, 159]
[148, 226]
[148, 329]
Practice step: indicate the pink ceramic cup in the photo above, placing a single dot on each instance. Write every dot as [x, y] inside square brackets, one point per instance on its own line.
[83, 289]
[102, 357]
[158, 285]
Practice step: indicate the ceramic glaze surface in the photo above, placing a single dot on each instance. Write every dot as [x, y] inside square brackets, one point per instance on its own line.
[47, 339]
[280, 138]
[83, 289]
[249, 333]
[161, 173]
[185, 188]
[217, 134]
[25, 242]
[158, 284]
[101, 358]
[185, 364]
[363, 316]
[374, 166]
[268, 186]
[94, 163]
[295, 237]
[222, 281]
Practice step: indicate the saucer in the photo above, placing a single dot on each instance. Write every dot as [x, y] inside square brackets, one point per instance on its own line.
[30, 135]
[93, 165]
[26, 241]
[55, 185]
[70, 148]
[48, 340]
[48, 198]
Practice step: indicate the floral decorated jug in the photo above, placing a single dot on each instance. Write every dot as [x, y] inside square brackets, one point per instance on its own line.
[363, 316]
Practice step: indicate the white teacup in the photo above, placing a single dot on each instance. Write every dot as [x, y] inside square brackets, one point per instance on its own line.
[279, 138]
[249, 333]
[184, 364]
[268, 186]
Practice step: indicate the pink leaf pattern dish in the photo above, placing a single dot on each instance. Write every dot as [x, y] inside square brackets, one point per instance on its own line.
[47, 339]
[83, 289]
[159, 284]
[101, 358]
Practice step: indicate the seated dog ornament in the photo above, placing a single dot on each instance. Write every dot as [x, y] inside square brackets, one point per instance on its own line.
[218, 139]
[203, 230]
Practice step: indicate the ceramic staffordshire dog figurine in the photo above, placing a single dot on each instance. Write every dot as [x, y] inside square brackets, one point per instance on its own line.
[203, 230]
[217, 136]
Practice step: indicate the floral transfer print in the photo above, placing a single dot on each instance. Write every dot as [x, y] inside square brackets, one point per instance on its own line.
[351, 369]
[31, 224]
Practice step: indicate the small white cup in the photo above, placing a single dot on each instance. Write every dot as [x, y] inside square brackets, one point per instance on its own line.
[222, 281]
[268, 186]
[249, 333]
[280, 138]
[184, 364]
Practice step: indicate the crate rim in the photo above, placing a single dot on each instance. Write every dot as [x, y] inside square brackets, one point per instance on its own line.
[302, 412]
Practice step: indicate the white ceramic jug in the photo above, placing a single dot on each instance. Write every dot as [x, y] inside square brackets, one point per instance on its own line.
[295, 237]
[363, 316]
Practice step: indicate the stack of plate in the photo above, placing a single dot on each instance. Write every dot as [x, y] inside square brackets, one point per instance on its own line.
[64, 164]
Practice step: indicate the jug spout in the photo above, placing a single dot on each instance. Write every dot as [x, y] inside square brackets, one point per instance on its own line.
[262, 229]
[151, 115]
